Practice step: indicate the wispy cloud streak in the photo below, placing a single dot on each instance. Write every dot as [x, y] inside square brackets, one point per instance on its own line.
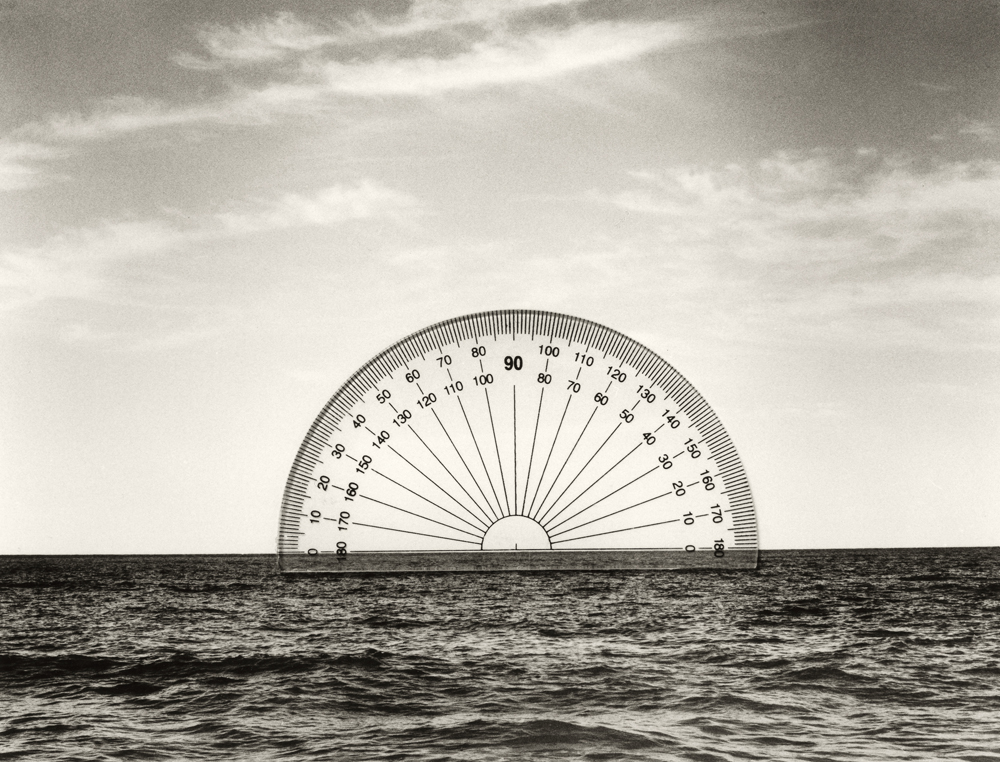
[309, 68]
[285, 36]
[265, 41]
[532, 58]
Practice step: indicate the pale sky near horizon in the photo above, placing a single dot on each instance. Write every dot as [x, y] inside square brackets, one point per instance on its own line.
[213, 213]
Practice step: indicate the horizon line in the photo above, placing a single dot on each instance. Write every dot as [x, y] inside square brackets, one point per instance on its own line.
[274, 553]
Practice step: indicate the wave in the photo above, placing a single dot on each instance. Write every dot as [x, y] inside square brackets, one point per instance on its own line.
[208, 587]
[727, 702]
[395, 622]
[127, 688]
[541, 734]
[959, 641]
[179, 665]
[884, 633]
[764, 663]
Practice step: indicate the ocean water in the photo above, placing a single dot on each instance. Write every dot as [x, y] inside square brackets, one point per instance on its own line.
[818, 655]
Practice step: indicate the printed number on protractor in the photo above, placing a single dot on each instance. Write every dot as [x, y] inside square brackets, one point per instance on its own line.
[516, 440]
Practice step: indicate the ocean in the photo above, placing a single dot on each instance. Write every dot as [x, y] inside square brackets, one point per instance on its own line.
[817, 655]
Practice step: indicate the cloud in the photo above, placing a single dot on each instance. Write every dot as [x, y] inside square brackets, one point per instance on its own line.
[119, 116]
[70, 265]
[18, 161]
[309, 69]
[987, 132]
[78, 264]
[285, 36]
[870, 247]
[962, 127]
[268, 40]
[936, 88]
[329, 206]
[531, 58]
[433, 15]
[808, 208]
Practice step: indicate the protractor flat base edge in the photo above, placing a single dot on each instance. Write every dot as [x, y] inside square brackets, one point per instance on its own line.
[503, 561]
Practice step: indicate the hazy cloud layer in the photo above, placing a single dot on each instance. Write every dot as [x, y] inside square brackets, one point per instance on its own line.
[812, 209]
[874, 249]
[78, 263]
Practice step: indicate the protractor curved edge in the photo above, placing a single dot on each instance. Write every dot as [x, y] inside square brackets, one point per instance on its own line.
[516, 440]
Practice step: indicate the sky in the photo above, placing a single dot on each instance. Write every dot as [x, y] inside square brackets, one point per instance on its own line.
[211, 214]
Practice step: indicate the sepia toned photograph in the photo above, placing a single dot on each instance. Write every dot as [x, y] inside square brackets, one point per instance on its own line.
[499, 380]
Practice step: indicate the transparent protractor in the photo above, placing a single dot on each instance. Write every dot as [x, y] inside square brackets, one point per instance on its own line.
[516, 440]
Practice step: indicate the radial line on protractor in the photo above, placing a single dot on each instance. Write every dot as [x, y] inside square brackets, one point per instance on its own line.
[516, 440]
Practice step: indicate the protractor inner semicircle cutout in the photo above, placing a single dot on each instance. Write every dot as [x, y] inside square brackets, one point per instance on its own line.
[516, 440]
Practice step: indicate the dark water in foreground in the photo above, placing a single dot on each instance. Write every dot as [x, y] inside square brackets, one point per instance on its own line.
[832, 655]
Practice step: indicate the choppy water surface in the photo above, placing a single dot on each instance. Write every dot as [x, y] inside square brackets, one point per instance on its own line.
[833, 655]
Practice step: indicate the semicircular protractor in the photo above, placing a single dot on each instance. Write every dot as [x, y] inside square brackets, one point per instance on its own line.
[516, 440]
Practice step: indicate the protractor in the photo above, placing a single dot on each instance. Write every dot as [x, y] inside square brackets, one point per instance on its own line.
[516, 440]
